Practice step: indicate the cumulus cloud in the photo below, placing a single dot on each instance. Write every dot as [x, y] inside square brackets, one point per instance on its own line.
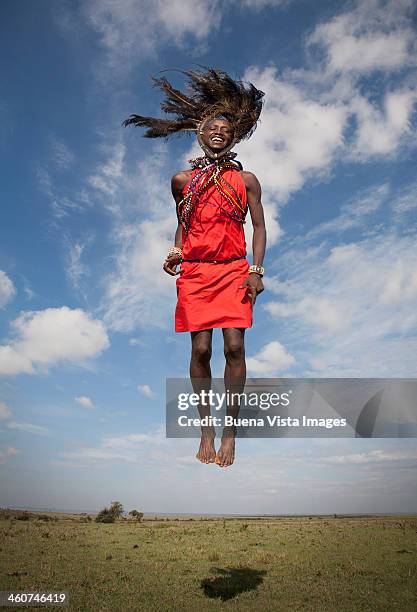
[7, 289]
[272, 359]
[85, 402]
[380, 131]
[298, 135]
[328, 112]
[47, 337]
[5, 412]
[374, 35]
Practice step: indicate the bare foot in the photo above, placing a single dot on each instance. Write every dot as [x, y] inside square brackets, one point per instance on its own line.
[226, 453]
[207, 452]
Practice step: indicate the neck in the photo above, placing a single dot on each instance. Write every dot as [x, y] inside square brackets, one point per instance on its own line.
[203, 162]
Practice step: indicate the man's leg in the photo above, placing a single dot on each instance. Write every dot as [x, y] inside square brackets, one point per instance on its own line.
[234, 382]
[200, 374]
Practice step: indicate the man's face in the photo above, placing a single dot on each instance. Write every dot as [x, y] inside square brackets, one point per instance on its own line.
[217, 134]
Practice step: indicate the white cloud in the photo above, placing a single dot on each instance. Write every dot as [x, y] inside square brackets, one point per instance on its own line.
[76, 269]
[137, 293]
[109, 175]
[311, 120]
[380, 131]
[47, 337]
[129, 448]
[400, 284]
[62, 157]
[9, 452]
[136, 342]
[84, 401]
[353, 212]
[328, 315]
[352, 309]
[28, 428]
[297, 137]
[406, 200]
[271, 360]
[328, 113]
[13, 362]
[375, 456]
[7, 289]
[5, 412]
[61, 205]
[194, 17]
[132, 30]
[261, 4]
[375, 35]
[147, 391]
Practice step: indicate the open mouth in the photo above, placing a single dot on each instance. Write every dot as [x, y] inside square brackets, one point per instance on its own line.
[218, 139]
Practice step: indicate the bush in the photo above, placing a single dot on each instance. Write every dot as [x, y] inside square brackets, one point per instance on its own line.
[116, 509]
[105, 516]
[109, 515]
[136, 515]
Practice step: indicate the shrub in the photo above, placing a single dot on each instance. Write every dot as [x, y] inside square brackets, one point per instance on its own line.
[135, 514]
[109, 515]
[105, 516]
[116, 509]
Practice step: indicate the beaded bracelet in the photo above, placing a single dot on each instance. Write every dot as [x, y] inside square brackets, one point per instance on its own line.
[257, 270]
[174, 251]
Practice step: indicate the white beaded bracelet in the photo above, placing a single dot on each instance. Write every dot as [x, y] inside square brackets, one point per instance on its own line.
[174, 251]
[257, 270]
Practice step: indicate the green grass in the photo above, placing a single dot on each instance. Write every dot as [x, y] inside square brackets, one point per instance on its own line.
[268, 564]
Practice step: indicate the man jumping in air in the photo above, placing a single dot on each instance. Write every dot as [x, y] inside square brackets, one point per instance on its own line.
[216, 287]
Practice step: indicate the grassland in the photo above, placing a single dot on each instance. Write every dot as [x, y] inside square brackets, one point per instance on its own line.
[268, 564]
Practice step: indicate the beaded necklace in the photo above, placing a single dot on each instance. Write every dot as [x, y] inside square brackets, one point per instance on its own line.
[210, 172]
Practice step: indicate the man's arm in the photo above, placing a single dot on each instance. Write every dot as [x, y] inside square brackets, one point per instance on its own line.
[253, 193]
[178, 183]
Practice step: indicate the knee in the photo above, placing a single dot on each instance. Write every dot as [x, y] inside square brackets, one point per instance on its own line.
[234, 351]
[201, 352]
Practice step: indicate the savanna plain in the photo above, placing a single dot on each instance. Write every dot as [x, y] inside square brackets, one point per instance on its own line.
[343, 563]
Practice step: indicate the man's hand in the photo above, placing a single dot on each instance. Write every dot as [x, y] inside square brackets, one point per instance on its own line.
[171, 263]
[255, 284]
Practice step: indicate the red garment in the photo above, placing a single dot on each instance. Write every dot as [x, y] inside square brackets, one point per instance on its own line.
[208, 293]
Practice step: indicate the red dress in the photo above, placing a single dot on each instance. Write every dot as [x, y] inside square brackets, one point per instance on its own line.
[208, 293]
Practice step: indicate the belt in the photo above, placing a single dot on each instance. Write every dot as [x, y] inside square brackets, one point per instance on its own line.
[215, 261]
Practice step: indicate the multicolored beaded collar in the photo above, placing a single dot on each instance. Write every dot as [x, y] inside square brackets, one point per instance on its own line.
[211, 172]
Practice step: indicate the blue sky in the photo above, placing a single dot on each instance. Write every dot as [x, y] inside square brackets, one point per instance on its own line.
[86, 313]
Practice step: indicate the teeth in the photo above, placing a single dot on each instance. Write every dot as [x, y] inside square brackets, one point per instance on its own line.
[217, 139]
